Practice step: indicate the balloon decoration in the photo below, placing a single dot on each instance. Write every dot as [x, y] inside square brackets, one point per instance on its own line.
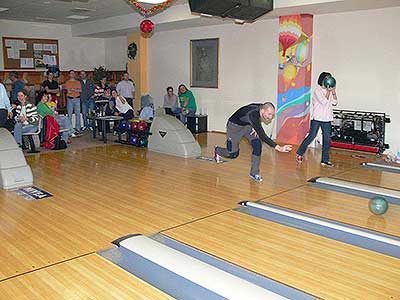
[302, 52]
[289, 31]
[153, 9]
[146, 26]
[289, 74]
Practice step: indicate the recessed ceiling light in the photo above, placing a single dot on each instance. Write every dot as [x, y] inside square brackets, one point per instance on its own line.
[151, 1]
[3, 9]
[82, 9]
[77, 17]
[45, 19]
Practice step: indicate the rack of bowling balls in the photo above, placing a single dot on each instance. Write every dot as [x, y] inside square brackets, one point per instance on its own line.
[137, 132]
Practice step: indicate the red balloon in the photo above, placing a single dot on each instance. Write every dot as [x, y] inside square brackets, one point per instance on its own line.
[146, 26]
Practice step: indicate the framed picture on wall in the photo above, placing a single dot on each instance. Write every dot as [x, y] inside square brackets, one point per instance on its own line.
[204, 63]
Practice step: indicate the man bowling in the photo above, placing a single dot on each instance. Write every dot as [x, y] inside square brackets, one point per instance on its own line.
[246, 121]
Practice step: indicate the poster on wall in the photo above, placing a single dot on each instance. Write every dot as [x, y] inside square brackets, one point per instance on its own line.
[29, 53]
[204, 63]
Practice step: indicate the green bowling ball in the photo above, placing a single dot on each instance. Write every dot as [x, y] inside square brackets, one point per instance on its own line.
[329, 82]
[378, 205]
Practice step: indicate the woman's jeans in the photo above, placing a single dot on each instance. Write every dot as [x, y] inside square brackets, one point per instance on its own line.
[326, 138]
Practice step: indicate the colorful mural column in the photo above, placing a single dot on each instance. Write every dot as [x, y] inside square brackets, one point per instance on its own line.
[294, 78]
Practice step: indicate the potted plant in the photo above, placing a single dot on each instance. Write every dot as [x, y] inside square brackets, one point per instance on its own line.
[99, 73]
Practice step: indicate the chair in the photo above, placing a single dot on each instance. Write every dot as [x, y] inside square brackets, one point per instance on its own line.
[30, 137]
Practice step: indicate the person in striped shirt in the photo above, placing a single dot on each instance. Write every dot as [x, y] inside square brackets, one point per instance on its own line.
[27, 118]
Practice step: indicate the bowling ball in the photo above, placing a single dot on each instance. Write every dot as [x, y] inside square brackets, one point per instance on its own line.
[134, 140]
[378, 205]
[329, 82]
[142, 126]
[128, 125]
[135, 125]
[122, 125]
[143, 142]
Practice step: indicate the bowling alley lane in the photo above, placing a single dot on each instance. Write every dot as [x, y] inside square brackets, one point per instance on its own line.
[325, 268]
[379, 178]
[339, 207]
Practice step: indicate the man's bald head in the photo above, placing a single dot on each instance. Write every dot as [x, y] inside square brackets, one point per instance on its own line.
[268, 105]
[267, 112]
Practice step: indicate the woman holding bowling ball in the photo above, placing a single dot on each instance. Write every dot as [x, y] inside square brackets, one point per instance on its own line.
[323, 100]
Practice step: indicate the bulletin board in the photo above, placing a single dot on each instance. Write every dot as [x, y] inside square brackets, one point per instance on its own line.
[28, 53]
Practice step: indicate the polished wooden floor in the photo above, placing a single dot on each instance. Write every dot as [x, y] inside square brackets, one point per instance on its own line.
[89, 277]
[102, 193]
[372, 177]
[340, 207]
[322, 267]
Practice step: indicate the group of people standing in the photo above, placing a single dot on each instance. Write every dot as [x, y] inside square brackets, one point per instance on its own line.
[17, 114]
[182, 105]
[116, 101]
[79, 95]
[82, 94]
[22, 116]
[245, 122]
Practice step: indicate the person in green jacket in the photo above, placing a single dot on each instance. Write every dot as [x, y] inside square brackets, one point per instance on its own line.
[187, 103]
[44, 110]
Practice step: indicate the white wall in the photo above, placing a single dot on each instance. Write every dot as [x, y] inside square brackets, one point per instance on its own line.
[116, 53]
[247, 66]
[75, 53]
[359, 48]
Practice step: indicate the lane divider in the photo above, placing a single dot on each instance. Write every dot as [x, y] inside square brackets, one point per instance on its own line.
[293, 215]
[211, 278]
[381, 166]
[365, 188]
